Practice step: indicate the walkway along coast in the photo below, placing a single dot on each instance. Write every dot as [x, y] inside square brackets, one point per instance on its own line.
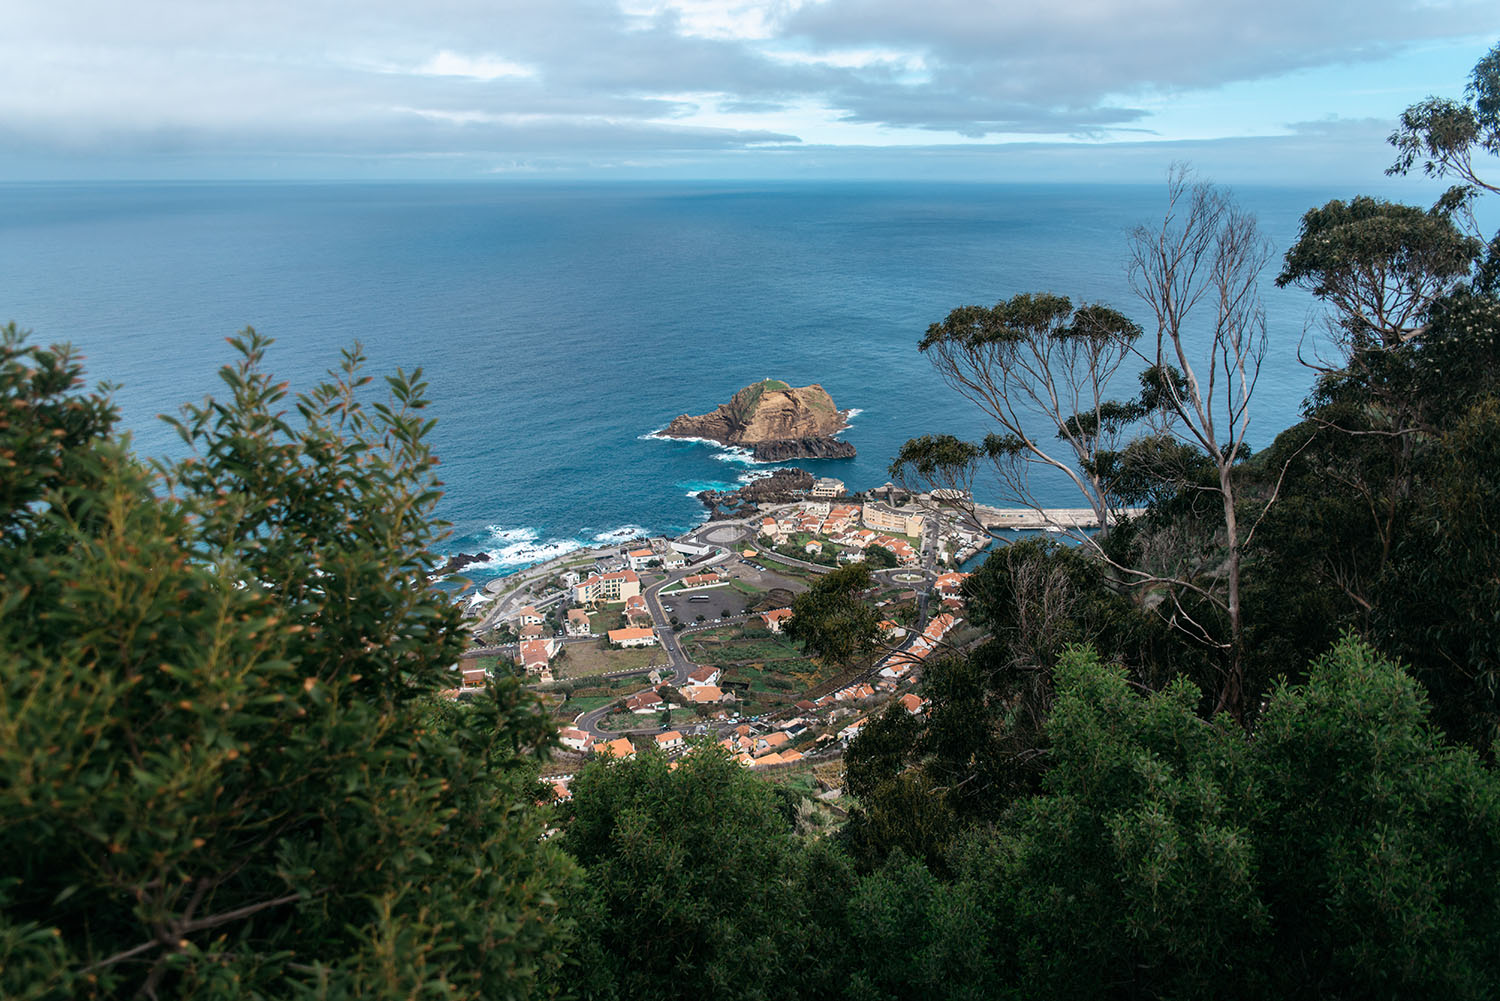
[1032, 519]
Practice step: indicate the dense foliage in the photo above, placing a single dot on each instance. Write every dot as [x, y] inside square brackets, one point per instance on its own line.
[223, 770]
[1344, 850]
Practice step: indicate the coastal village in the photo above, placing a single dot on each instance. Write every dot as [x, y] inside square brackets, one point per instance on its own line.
[679, 644]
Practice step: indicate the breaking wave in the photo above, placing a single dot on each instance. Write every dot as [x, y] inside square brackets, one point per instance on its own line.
[621, 534]
[513, 548]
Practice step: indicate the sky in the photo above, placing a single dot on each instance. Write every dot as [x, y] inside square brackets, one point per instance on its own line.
[1275, 91]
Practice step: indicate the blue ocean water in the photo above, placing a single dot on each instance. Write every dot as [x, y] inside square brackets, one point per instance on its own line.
[559, 325]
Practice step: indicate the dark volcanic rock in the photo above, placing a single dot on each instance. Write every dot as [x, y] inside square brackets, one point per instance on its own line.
[820, 447]
[781, 486]
[456, 563]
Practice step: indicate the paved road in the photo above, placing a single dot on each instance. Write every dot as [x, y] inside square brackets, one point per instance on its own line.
[669, 640]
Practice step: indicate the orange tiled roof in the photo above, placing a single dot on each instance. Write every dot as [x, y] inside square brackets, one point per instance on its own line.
[620, 747]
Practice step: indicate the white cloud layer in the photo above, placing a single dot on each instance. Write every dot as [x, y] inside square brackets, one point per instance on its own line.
[606, 80]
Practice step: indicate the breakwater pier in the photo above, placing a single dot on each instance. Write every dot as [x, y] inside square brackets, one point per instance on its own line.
[1063, 518]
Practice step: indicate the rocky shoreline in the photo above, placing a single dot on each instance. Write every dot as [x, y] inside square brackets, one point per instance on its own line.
[782, 486]
[815, 447]
[457, 562]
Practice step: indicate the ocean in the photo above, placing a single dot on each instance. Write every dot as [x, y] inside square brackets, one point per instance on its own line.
[558, 326]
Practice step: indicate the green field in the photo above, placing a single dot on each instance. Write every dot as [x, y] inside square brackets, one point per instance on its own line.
[705, 648]
[585, 659]
[632, 721]
[489, 662]
[607, 618]
[586, 703]
[772, 563]
[772, 667]
[780, 678]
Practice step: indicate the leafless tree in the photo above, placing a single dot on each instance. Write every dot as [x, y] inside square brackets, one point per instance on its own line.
[1199, 275]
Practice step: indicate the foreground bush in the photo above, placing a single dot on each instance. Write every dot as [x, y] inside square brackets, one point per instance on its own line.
[223, 772]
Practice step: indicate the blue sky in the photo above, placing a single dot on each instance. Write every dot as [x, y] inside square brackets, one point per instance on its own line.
[1276, 91]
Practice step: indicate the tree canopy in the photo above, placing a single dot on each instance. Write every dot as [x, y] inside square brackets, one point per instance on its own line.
[225, 773]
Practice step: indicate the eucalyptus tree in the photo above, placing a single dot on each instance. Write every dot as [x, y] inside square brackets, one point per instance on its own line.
[1043, 371]
[1442, 135]
[1379, 265]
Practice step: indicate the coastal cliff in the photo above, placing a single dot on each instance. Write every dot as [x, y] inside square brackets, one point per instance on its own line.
[776, 421]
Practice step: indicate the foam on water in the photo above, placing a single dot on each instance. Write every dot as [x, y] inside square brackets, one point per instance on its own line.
[621, 534]
[658, 436]
[725, 453]
[694, 487]
[513, 548]
[734, 453]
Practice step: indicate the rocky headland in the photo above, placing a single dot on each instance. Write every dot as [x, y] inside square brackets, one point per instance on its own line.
[777, 422]
[783, 485]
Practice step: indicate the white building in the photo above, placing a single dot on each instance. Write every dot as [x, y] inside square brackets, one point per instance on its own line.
[632, 637]
[884, 519]
[615, 586]
[577, 623]
[705, 674]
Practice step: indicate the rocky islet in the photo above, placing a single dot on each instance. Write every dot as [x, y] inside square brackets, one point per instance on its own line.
[775, 421]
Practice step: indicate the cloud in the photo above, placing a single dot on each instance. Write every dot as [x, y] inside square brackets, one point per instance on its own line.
[859, 59]
[485, 67]
[715, 19]
[1069, 63]
[468, 77]
[1343, 128]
